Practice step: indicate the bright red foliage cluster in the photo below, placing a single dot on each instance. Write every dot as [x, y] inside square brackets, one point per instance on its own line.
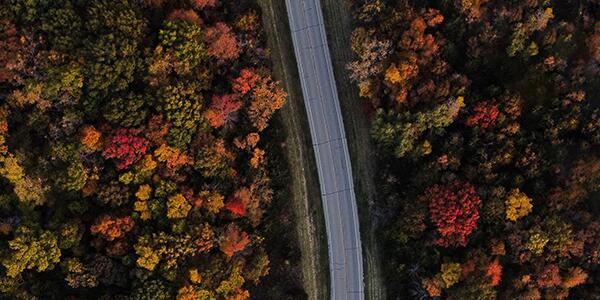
[494, 272]
[125, 146]
[454, 211]
[484, 115]
[111, 228]
[238, 202]
[245, 82]
[219, 112]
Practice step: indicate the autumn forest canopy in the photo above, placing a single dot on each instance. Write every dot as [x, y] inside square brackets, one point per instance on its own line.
[141, 156]
[133, 159]
[486, 120]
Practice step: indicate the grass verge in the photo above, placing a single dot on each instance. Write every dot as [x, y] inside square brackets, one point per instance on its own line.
[338, 24]
[304, 185]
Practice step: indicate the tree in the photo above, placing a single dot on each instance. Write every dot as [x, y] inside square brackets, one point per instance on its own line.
[31, 249]
[90, 138]
[215, 160]
[153, 289]
[257, 267]
[518, 205]
[238, 201]
[9, 44]
[129, 111]
[172, 157]
[258, 158]
[28, 190]
[221, 109]
[112, 50]
[177, 207]
[111, 228]
[246, 81]
[62, 25]
[186, 42]
[181, 105]
[450, 273]
[576, 276]
[187, 15]
[212, 201]
[222, 43]
[205, 3]
[484, 115]
[266, 96]
[594, 42]
[549, 276]
[494, 272]
[372, 52]
[453, 208]
[77, 275]
[113, 194]
[126, 146]
[401, 132]
[172, 249]
[233, 240]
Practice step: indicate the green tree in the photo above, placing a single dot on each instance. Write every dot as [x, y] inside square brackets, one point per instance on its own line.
[129, 111]
[186, 41]
[112, 50]
[63, 26]
[181, 105]
[400, 132]
[152, 290]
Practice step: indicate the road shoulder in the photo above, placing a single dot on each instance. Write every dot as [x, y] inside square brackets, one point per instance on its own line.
[338, 24]
[308, 210]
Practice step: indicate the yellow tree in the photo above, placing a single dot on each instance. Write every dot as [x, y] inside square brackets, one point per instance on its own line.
[518, 205]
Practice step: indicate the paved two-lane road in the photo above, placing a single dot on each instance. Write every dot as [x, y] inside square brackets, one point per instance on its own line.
[331, 151]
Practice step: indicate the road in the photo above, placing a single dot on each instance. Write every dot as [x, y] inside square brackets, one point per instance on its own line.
[330, 148]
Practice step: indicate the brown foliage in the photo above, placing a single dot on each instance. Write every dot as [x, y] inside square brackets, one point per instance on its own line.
[205, 3]
[187, 15]
[549, 276]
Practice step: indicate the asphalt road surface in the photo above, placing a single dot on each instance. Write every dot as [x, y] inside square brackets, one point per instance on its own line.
[331, 151]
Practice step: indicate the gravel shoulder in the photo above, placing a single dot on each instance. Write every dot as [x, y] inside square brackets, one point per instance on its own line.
[338, 24]
[308, 210]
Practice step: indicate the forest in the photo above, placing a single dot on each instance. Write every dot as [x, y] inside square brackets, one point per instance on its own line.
[135, 152]
[486, 119]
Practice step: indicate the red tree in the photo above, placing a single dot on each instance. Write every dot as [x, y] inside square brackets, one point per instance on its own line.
[221, 41]
[125, 146]
[494, 272]
[238, 202]
[453, 208]
[246, 81]
[233, 240]
[219, 112]
[111, 228]
[484, 115]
